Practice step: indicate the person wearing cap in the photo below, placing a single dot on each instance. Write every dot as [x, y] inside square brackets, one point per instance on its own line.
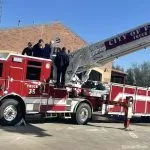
[28, 50]
[61, 61]
[38, 49]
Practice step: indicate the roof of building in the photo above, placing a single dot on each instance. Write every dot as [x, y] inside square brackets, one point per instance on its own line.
[119, 71]
[15, 39]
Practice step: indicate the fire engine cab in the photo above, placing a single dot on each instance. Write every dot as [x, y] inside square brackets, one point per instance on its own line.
[25, 89]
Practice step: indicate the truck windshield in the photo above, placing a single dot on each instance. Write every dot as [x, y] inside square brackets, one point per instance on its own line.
[4, 55]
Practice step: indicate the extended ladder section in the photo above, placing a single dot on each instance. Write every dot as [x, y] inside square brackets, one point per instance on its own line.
[105, 51]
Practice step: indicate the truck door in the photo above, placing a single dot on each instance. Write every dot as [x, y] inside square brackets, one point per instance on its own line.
[32, 86]
[15, 77]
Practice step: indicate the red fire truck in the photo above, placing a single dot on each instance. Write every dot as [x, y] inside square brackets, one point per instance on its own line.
[25, 87]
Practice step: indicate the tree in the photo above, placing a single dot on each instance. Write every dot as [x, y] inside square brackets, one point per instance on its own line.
[139, 75]
[130, 77]
[117, 67]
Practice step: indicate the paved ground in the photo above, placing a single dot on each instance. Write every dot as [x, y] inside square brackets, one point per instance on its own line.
[50, 135]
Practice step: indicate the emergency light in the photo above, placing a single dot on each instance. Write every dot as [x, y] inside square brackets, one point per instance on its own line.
[17, 59]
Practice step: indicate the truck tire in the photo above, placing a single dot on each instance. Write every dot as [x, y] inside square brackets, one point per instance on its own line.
[83, 114]
[10, 112]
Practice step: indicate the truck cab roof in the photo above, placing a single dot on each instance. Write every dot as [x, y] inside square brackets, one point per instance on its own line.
[7, 55]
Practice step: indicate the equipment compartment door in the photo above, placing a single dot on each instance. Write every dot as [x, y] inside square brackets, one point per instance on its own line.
[148, 104]
[140, 103]
[2, 80]
[57, 102]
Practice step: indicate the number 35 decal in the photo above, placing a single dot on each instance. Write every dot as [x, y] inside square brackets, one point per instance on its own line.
[31, 91]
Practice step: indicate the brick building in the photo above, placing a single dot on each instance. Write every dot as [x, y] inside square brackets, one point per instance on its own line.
[15, 39]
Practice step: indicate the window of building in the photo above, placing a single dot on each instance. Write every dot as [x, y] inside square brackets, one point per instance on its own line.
[33, 70]
[1, 69]
[117, 77]
[95, 76]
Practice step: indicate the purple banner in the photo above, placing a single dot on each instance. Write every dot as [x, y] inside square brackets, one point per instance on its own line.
[128, 37]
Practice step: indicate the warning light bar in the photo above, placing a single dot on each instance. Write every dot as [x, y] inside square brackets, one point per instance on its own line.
[17, 59]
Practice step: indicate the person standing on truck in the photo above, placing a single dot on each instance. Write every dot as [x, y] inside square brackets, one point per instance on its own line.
[38, 48]
[47, 53]
[28, 50]
[48, 50]
[61, 61]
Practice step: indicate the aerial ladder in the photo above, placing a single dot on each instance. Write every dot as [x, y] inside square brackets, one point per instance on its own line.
[100, 53]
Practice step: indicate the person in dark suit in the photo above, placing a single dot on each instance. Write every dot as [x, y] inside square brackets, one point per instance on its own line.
[28, 50]
[48, 50]
[62, 62]
[47, 54]
[38, 49]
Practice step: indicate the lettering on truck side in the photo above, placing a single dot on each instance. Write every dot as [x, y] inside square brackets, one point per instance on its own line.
[128, 37]
[32, 89]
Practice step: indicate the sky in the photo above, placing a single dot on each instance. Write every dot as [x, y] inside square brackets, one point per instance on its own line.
[93, 20]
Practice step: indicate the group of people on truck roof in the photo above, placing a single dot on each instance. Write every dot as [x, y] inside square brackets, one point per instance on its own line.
[46, 51]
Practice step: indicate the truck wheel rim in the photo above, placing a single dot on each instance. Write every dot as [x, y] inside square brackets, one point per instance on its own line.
[10, 113]
[83, 114]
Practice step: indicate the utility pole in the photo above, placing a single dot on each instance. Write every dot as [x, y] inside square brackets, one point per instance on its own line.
[19, 21]
[1, 9]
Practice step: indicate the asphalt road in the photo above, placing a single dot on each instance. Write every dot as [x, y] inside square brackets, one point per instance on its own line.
[63, 135]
